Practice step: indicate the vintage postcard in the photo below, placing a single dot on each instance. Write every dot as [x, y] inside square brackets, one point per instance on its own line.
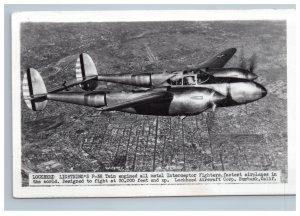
[153, 103]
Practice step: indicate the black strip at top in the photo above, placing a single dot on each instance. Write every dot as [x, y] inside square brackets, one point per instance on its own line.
[30, 88]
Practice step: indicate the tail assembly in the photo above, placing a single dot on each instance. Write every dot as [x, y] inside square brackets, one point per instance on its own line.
[36, 95]
[85, 68]
[34, 90]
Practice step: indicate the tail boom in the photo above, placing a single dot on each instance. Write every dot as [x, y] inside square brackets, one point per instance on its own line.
[92, 99]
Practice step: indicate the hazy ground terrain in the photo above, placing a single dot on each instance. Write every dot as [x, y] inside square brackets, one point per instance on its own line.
[75, 138]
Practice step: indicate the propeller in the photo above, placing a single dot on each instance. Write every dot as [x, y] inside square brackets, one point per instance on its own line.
[249, 64]
[216, 99]
[243, 63]
[253, 63]
[214, 106]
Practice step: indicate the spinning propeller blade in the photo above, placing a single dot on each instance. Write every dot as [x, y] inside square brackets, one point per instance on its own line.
[214, 106]
[253, 62]
[250, 64]
[243, 63]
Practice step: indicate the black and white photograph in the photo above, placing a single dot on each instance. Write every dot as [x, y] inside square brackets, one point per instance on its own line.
[157, 103]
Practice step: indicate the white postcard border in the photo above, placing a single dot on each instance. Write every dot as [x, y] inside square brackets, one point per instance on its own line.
[157, 190]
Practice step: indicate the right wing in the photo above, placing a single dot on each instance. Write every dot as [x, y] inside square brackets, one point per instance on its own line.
[147, 98]
[219, 60]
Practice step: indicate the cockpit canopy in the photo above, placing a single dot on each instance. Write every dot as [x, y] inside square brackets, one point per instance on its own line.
[191, 78]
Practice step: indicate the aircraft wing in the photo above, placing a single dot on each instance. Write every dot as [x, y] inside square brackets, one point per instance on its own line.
[147, 98]
[219, 60]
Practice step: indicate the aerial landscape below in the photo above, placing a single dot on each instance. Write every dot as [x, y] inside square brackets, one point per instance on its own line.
[72, 138]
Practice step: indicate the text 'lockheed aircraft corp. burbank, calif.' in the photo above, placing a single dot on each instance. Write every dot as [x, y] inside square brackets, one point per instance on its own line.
[177, 93]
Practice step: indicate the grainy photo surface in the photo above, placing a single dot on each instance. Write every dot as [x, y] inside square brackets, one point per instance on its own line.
[67, 137]
[153, 103]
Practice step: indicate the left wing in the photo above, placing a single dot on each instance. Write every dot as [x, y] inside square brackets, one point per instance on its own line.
[218, 61]
[147, 98]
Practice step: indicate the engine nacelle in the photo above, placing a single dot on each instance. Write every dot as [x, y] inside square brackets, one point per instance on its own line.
[93, 99]
[231, 73]
[194, 101]
[142, 80]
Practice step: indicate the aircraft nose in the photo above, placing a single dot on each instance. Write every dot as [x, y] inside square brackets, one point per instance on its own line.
[263, 91]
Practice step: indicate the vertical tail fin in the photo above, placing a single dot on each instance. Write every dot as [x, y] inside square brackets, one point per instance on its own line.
[34, 90]
[85, 67]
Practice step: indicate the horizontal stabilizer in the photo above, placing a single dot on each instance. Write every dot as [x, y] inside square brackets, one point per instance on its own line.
[36, 97]
[74, 83]
[139, 100]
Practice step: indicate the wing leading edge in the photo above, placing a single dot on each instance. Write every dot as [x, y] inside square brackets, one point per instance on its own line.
[219, 60]
[147, 98]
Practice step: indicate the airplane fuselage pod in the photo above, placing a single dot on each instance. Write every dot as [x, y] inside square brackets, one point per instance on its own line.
[193, 100]
[239, 92]
[189, 101]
